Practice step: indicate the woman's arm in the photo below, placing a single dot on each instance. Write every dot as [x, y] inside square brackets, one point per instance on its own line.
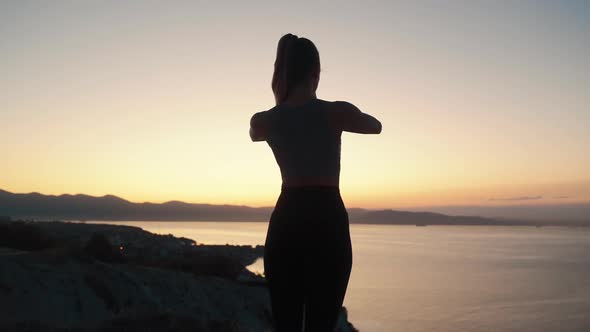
[350, 118]
[259, 127]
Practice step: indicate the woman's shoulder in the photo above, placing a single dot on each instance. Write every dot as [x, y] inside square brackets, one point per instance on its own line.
[338, 105]
[259, 117]
[264, 118]
[264, 114]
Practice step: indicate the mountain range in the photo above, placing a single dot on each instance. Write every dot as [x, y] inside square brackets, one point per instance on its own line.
[112, 208]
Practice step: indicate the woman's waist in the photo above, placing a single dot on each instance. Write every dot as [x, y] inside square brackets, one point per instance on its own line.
[302, 183]
[314, 199]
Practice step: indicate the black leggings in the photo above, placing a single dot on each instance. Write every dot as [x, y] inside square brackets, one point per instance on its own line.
[307, 259]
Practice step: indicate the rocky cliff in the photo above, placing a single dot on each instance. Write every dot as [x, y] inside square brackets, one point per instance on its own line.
[77, 277]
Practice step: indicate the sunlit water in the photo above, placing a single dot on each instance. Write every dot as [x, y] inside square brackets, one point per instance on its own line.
[448, 278]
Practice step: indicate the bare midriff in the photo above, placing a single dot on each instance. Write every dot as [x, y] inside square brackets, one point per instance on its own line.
[328, 181]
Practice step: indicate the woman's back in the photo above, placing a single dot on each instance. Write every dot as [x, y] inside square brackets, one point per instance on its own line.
[305, 138]
[304, 141]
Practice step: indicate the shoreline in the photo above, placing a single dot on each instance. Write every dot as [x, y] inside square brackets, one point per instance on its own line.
[582, 224]
[58, 276]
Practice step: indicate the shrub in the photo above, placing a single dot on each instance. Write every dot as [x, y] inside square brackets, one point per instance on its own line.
[100, 248]
[24, 236]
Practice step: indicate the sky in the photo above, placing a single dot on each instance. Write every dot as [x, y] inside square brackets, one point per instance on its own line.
[482, 103]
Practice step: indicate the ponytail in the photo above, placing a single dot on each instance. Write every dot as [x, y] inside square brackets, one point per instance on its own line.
[297, 59]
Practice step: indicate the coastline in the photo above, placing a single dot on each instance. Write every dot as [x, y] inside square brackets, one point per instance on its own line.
[36, 206]
[57, 276]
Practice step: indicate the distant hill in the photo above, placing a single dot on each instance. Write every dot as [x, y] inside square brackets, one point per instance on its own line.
[84, 207]
[361, 216]
[566, 211]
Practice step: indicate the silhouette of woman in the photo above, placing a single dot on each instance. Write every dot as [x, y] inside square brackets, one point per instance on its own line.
[308, 253]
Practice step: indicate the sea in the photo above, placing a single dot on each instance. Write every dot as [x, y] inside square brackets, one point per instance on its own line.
[446, 278]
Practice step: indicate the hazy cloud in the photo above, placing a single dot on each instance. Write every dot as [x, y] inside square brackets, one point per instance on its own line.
[518, 198]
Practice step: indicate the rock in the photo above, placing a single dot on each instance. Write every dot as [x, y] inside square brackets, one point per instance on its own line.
[74, 295]
[78, 281]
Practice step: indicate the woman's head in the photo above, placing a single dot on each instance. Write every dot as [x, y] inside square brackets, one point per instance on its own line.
[297, 64]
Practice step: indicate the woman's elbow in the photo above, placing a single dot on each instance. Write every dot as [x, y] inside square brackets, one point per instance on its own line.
[376, 127]
[255, 137]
